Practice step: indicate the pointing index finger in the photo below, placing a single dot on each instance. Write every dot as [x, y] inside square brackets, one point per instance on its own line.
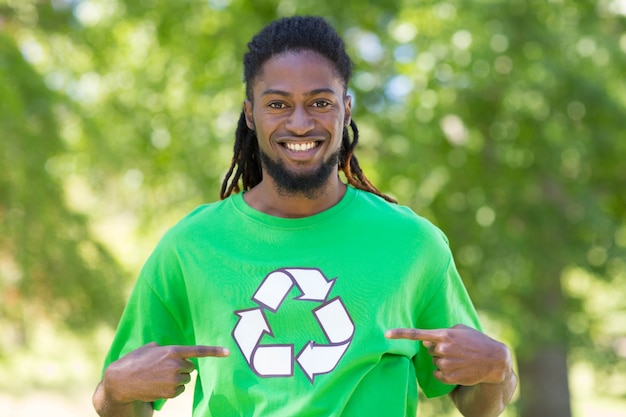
[416, 334]
[200, 351]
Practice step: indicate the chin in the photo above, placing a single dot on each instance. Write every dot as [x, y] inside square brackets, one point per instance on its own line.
[309, 183]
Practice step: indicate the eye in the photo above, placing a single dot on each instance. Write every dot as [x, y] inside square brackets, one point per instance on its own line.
[276, 105]
[320, 104]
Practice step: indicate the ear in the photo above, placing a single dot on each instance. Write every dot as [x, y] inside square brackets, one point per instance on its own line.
[347, 101]
[247, 110]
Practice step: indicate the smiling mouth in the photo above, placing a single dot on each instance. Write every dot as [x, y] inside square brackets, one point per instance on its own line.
[301, 147]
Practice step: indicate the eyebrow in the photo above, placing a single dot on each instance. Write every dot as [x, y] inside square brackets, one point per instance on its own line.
[310, 93]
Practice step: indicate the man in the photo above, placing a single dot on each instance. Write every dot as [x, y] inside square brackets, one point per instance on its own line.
[301, 295]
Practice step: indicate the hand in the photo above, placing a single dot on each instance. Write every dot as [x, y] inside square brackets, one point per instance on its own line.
[462, 355]
[152, 372]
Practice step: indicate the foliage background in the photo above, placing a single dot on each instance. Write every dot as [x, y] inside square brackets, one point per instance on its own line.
[501, 121]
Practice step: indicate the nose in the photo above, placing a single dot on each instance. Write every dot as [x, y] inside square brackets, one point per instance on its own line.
[300, 121]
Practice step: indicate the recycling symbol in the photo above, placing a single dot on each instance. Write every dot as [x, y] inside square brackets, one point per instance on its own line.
[278, 360]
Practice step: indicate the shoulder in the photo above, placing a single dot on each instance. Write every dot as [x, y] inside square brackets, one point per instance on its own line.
[398, 219]
[199, 221]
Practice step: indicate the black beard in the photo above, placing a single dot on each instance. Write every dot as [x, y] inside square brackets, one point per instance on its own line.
[309, 185]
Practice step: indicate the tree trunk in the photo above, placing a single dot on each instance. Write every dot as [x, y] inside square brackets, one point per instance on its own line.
[544, 387]
[542, 358]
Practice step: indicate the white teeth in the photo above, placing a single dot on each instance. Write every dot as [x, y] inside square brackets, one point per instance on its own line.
[299, 147]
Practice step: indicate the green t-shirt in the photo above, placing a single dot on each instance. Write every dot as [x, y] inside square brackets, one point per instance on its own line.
[302, 304]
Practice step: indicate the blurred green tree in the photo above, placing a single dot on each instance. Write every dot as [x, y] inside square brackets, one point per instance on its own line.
[50, 266]
[506, 128]
[501, 121]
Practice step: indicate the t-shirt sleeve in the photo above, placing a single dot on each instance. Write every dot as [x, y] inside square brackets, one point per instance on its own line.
[449, 305]
[155, 311]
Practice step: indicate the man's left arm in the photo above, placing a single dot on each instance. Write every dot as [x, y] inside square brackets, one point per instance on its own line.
[480, 366]
[484, 399]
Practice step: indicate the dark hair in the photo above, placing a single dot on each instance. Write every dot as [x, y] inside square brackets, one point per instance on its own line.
[288, 34]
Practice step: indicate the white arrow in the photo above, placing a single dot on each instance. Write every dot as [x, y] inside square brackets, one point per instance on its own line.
[312, 283]
[273, 290]
[273, 360]
[249, 330]
[335, 321]
[278, 360]
[320, 359]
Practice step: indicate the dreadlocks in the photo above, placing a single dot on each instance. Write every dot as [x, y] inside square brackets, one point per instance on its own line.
[288, 34]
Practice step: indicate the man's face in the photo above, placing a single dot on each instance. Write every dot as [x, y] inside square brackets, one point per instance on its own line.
[299, 110]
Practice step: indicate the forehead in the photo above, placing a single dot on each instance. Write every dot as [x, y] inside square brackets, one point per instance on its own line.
[292, 71]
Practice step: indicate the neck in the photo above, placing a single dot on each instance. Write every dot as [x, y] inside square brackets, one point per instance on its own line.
[268, 198]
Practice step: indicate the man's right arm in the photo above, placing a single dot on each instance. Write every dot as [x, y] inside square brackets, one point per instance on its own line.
[132, 383]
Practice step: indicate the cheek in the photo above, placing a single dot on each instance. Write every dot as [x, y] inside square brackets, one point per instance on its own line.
[334, 122]
[267, 123]
[260, 127]
[339, 128]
